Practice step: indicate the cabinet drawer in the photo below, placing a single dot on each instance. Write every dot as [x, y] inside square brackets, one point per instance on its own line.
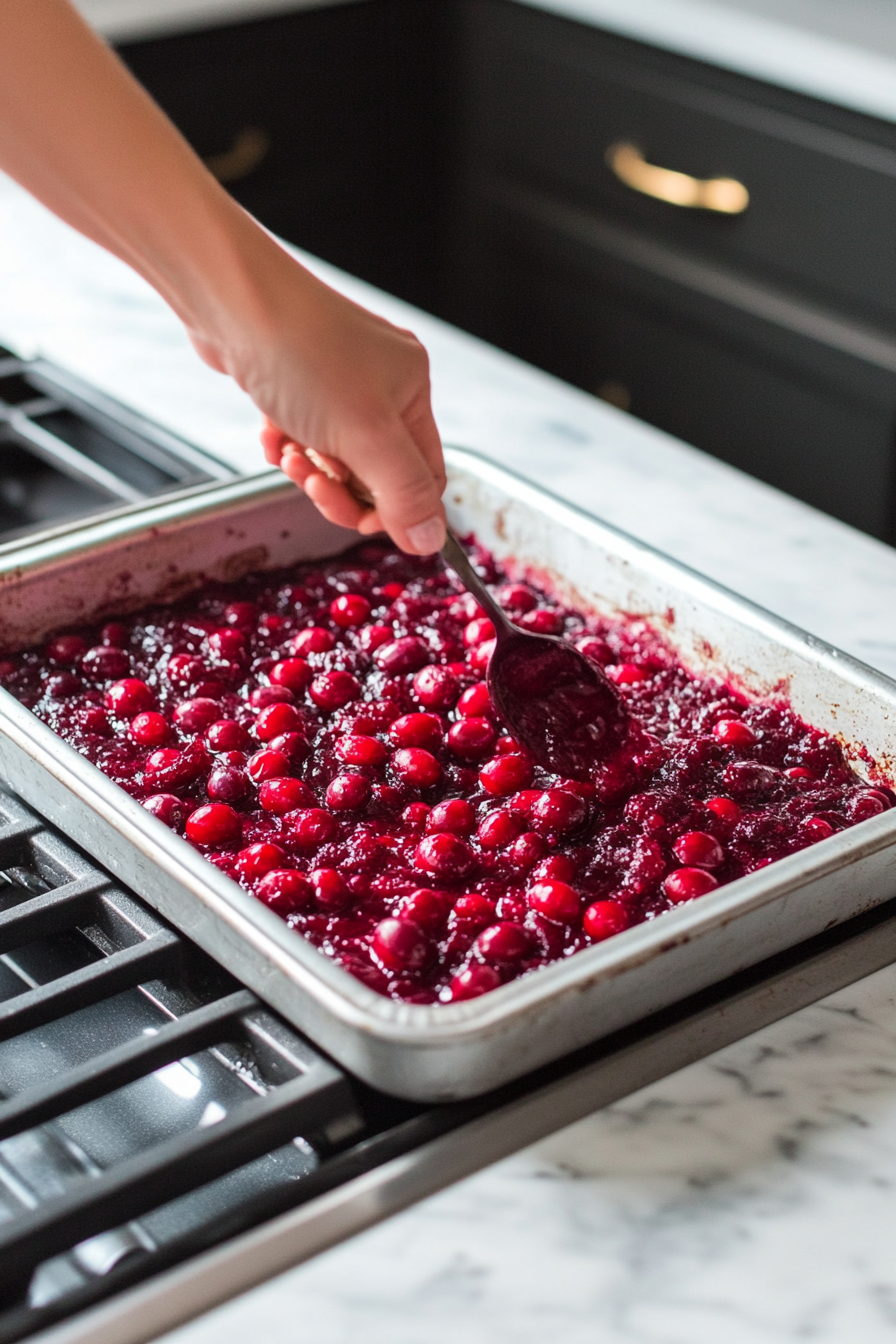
[547, 97]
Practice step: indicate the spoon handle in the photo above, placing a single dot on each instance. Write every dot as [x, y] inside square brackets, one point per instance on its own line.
[454, 555]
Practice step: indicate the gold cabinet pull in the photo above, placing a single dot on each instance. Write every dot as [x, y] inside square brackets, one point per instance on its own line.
[245, 154]
[725, 195]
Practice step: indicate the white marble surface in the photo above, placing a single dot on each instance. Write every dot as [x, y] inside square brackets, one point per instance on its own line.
[748, 1199]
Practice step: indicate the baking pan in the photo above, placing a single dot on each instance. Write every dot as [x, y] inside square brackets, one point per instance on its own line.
[445, 1052]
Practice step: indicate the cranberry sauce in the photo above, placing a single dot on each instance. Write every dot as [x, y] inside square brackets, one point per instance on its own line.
[325, 737]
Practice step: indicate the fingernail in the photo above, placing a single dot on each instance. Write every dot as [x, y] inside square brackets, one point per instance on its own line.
[429, 537]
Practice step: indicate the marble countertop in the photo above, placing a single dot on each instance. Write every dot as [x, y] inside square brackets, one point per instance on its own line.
[747, 1199]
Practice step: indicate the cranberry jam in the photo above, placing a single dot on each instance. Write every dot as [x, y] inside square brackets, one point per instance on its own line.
[325, 737]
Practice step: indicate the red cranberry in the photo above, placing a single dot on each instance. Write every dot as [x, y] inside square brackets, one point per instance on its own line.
[349, 609]
[696, 849]
[557, 811]
[373, 637]
[504, 775]
[417, 730]
[465, 608]
[517, 597]
[542, 621]
[436, 687]
[65, 650]
[125, 699]
[416, 767]
[443, 854]
[416, 814]
[227, 735]
[150, 729]
[227, 784]
[475, 702]
[476, 632]
[348, 793]
[285, 891]
[173, 768]
[526, 850]
[263, 696]
[626, 674]
[734, 733]
[214, 824]
[498, 828]
[272, 625]
[799, 773]
[595, 649]
[726, 809]
[194, 716]
[185, 669]
[277, 719]
[508, 746]
[391, 591]
[293, 673]
[555, 900]
[105, 662]
[284, 795]
[256, 860]
[559, 866]
[868, 804]
[232, 758]
[504, 942]
[748, 779]
[332, 690]
[478, 657]
[603, 919]
[267, 764]
[406, 654]
[229, 643]
[330, 890]
[524, 801]
[472, 982]
[241, 614]
[93, 720]
[426, 908]
[361, 750]
[473, 911]
[455, 815]
[294, 746]
[113, 632]
[685, 883]
[168, 808]
[817, 828]
[314, 640]
[401, 945]
[312, 827]
[471, 738]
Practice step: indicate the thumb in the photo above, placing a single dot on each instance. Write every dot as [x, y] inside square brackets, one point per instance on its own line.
[405, 490]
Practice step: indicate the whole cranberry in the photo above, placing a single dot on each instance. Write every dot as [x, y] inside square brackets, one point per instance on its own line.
[293, 673]
[473, 911]
[330, 890]
[472, 982]
[868, 804]
[465, 608]
[311, 827]
[595, 649]
[272, 625]
[517, 597]
[508, 746]
[817, 828]
[401, 944]
[332, 690]
[349, 610]
[734, 733]
[504, 943]
[294, 746]
[227, 784]
[113, 632]
[476, 632]
[417, 730]
[475, 702]
[526, 850]
[557, 811]
[227, 735]
[263, 696]
[150, 729]
[426, 908]
[603, 919]
[559, 866]
[626, 674]
[267, 764]
[105, 662]
[125, 699]
[284, 795]
[185, 669]
[726, 809]
[241, 614]
[697, 849]
[65, 650]
[503, 775]
[524, 801]
[555, 900]
[479, 656]
[168, 808]
[416, 767]
[749, 779]
[313, 640]
[436, 687]
[348, 793]
[214, 824]
[357, 749]
[471, 738]
[406, 654]
[542, 621]
[194, 716]
[390, 591]
[277, 719]
[800, 774]
[93, 720]
[443, 854]
[415, 815]
[285, 891]
[373, 637]
[228, 643]
[685, 883]
[256, 860]
[455, 815]
[172, 768]
[498, 828]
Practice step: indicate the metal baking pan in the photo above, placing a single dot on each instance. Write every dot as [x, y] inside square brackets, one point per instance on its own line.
[445, 1052]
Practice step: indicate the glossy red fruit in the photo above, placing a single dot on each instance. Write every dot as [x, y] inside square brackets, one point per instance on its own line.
[455, 816]
[227, 784]
[415, 814]
[417, 730]
[267, 764]
[499, 828]
[516, 597]
[227, 643]
[473, 911]
[358, 749]
[126, 699]
[603, 919]
[65, 650]
[555, 900]
[214, 824]
[168, 808]
[475, 703]
[406, 654]
[799, 773]
[817, 828]
[478, 658]
[436, 687]
[476, 632]
[280, 796]
[473, 982]
[255, 860]
[685, 883]
[556, 866]
[185, 669]
[696, 849]
[285, 891]
[227, 735]
[373, 637]
[150, 729]
[504, 775]
[194, 716]
[726, 809]
[526, 850]
[113, 632]
[626, 674]
[427, 908]
[293, 673]
[734, 733]
[313, 640]
[349, 610]
[277, 719]
[295, 746]
[868, 804]
[444, 854]
[416, 767]
[596, 649]
[541, 621]
[333, 690]
[330, 890]
[524, 801]
[105, 662]
[401, 945]
[557, 811]
[311, 827]
[471, 739]
[504, 943]
[348, 793]
[241, 614]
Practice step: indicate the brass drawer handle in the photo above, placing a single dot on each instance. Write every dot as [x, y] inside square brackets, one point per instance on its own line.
[725, 195]
[248, 150]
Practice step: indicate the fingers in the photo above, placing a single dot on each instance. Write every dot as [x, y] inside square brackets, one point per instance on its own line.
[406, 490]
[272, 441]
[333, 500]
[423, 430]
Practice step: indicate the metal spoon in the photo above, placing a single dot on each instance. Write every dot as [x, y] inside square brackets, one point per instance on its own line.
[556, 703]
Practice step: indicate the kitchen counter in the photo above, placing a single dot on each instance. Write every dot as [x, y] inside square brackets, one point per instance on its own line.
[748, 1198]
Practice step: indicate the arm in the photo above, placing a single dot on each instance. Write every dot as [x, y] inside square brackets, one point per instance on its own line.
[79, 133]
